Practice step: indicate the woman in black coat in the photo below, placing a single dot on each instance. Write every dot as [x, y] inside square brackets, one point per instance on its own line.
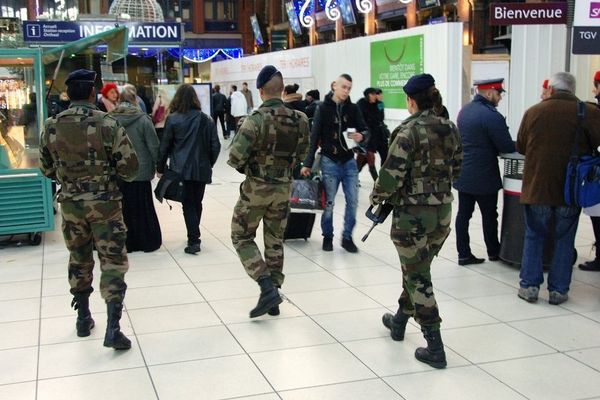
[191, 144]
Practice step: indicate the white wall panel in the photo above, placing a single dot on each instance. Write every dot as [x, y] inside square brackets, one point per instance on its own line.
[442, 56]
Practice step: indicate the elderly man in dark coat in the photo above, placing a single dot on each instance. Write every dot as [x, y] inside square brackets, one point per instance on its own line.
[546, 138]
[484, 135]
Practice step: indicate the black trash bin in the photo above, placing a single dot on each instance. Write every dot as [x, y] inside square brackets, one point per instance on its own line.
[513, 222]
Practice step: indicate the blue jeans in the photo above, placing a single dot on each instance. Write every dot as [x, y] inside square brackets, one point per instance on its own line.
[537, 220]
[334, 174]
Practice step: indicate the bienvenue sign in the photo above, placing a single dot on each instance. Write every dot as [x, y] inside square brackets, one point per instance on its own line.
[528, 13]
[67, 31]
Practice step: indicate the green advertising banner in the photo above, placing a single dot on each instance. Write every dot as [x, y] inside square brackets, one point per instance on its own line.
[393, 62]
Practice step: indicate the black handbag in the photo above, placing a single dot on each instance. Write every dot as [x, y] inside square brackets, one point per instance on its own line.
[169, 187]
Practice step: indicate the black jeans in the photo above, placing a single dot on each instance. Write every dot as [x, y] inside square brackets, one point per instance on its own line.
[596, 226]
[221, 117]
[488, 204]
[193, 193]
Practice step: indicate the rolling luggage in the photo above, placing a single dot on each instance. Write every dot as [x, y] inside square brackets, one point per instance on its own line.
[299, 225]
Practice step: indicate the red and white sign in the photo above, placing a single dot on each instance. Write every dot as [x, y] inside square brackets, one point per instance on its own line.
[528, 13]
[295, 63]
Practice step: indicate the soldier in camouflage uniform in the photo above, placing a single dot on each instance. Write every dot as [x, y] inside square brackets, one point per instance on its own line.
[86, 150]
[425, 157]
[268, 145]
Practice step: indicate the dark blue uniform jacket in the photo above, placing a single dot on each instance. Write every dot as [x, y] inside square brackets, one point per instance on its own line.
[484, 135]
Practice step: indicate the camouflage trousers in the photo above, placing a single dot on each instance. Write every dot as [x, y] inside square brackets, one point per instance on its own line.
[418, 232]
[268, 202]
[86, 224]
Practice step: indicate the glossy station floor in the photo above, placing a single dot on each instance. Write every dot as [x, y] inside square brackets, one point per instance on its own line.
[188, 320]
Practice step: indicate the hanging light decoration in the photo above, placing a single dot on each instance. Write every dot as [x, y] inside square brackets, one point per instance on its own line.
[331, 11]
[202, 55]
[306, 19]
[364, 6]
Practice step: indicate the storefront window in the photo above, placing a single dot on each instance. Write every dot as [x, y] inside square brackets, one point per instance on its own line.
[220, 10]
[19, 124]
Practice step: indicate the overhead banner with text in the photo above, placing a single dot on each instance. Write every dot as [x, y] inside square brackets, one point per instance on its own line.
[393, 62]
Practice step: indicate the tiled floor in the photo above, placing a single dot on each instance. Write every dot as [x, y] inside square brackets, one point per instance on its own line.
[192, 339]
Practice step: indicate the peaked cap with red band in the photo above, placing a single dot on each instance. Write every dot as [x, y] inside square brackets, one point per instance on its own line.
[490, 84]
[597, 76]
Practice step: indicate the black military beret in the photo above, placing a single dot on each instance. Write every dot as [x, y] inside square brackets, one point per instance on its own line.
[265, 75]
[81, 75]
[418, 83]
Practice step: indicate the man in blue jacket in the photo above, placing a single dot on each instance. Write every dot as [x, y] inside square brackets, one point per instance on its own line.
[484, 135]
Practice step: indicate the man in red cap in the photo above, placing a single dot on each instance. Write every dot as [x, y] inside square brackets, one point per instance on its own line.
[594, 265]
[484, 135]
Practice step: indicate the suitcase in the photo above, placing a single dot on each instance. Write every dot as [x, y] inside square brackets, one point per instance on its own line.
[299, 225]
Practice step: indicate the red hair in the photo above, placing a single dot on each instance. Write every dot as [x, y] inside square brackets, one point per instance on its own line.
[107, 88]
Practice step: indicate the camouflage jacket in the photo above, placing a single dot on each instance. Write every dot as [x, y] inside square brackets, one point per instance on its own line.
[270, 143]
[424, 158]
[85, 150]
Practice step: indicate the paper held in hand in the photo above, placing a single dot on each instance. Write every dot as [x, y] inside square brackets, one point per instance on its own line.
[350, 143]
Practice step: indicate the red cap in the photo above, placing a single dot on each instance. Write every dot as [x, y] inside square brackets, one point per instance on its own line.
[597, 76]
[490, 84]
[545, 84]
[107, 88]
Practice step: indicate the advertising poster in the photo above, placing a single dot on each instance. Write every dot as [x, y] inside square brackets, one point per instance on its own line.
[393, 62]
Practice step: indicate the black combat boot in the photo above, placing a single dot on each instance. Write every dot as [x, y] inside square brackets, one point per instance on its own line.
[114, 337]
[396, 324]
[269, 297]
[433, 354]
[85, 323]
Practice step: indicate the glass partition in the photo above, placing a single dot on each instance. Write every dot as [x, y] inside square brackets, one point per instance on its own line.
[21, 111]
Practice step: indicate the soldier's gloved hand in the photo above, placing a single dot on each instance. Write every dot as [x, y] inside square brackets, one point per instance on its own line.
[241, 170]
[305, 171]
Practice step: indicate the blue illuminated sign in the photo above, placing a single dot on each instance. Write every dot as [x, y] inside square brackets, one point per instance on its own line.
[68, 31]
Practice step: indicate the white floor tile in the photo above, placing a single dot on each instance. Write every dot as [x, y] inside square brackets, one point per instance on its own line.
[370, 276]
[356, 325]
[334, 300]
[552, 331]
[590, 357]
[21, 272]
[18, 365]
[471, 286]
[19, 334]
[583, 298]
[509, 307]
[188, 344]
[159, 277]
[129, 384]
[228, 289]
[342, 259]
[216, 272]
[465, 383]
[170, 318]
[162, 296]
[548, 377]
[456, 314]
[277, 334]
[271, 396]
[20, 290]
[386, 295]
[487, 343]
[299, 265]
[361, 390]
[20, 391]
[19, 310]
[218, 378]
[319, 365]
[83, 357]
[387, 357]
[312, 281]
